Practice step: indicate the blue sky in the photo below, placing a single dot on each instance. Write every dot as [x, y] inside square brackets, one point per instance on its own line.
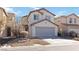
[22, 11]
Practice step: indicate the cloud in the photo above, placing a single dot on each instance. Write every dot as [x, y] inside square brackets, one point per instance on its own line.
[35, 8]
[7, 9]
[11, 10]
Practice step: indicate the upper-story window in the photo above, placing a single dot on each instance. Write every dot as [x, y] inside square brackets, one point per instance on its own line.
[74, 20]
[47, 17]
[70, 21]
[36, 16]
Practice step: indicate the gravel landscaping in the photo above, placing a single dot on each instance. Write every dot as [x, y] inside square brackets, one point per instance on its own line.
[55, 45]
[27, 42]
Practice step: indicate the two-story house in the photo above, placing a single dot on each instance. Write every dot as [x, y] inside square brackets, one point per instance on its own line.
[23, 24]
[3, 22]
[68, 23]
[7, 23]
[40, 23]
[11, 24]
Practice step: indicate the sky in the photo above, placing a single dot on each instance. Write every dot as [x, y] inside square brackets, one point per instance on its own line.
[58, 11]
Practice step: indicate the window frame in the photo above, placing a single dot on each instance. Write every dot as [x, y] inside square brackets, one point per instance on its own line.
[74, 20]
[70, 20]
[48, 17]
[36, 17]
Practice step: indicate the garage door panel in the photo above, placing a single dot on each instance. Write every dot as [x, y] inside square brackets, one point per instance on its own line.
[45, 32]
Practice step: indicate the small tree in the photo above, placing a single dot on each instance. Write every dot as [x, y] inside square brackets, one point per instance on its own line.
[24, 33]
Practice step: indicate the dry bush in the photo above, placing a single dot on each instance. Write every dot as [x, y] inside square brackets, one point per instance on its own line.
[24, 33]
[34, 37]
[15, 32]
[30, 42]
[39, 41]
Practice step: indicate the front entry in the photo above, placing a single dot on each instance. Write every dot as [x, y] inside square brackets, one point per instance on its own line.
[8, 31]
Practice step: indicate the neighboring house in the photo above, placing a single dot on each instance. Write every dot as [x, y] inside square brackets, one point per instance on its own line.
[68, 23]
[11, 24]
[23, 24]
[3, 22]
[7, 23]
[41, 24]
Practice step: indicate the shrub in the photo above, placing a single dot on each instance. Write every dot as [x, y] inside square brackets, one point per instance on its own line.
[15, 32]
[72, 34]
[63, 33]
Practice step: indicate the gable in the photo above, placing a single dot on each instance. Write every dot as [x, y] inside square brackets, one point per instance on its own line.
[46, 11]
[41, 11]
[3, 10]
[73, 16]
[44, 22]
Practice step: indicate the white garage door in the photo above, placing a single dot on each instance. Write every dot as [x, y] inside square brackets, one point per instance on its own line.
[45, 32]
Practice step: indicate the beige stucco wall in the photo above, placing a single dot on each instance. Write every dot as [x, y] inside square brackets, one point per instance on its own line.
[3, 22]
[59, 20]
[11, 22]
[45, 13]
[65, 20]
[3, 17]
[73, 16]
[43, 24]
[31, 18]
[24, 20]
[22, 23]
[73, 28]
[41, 17]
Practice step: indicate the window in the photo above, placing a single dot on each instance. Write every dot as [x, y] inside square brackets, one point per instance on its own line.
[70, 21]
[36, 17]
[74, 20]
[47, 17]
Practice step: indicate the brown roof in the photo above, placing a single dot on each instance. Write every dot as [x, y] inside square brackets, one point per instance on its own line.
[43, 20]
[47, 11]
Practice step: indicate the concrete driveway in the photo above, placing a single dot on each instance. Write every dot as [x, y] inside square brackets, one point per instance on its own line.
[55, 45]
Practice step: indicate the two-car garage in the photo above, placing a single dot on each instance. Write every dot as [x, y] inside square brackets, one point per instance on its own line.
[45, 32]
[44, 29]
